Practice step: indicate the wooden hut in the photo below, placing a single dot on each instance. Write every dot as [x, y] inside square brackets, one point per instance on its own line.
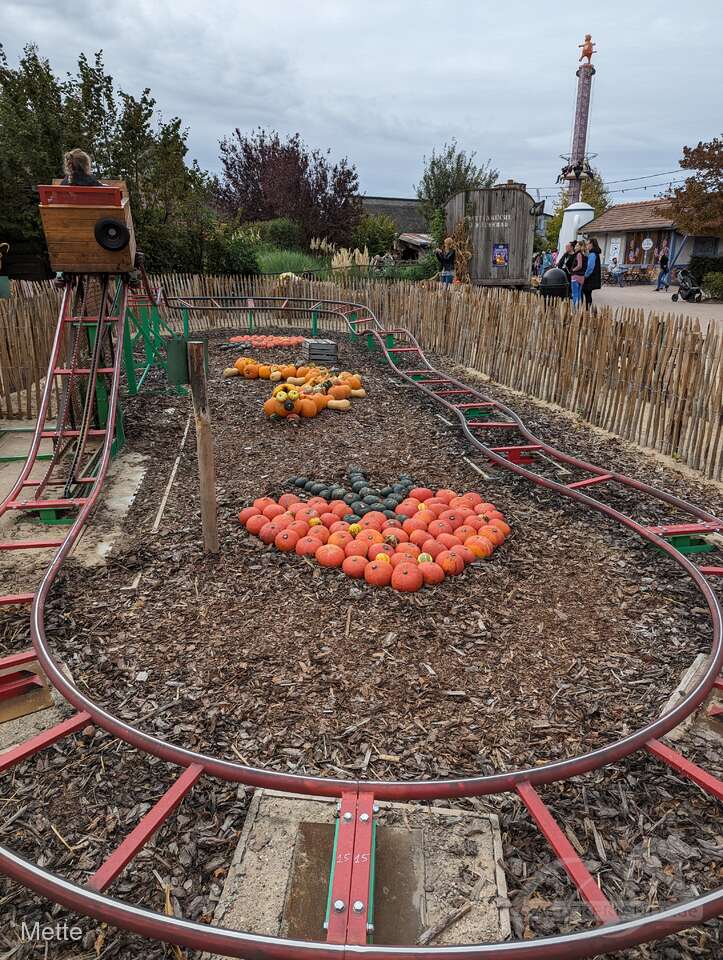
[501, 227]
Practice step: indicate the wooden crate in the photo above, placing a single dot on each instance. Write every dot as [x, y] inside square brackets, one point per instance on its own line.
[70, 214]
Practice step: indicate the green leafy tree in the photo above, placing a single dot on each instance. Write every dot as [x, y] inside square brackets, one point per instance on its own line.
[376, 232]
[448, 171]
[90, 113]
[593, 192]
[31, 142]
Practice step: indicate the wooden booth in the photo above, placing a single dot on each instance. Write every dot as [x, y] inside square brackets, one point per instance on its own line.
[501, 227]
[88, 229]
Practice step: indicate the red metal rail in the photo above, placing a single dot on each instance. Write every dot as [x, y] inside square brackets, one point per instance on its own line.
[358, 797]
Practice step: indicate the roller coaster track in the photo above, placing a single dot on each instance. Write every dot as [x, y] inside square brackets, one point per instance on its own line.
[479, 416]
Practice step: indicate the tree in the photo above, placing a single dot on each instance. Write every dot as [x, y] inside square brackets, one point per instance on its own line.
[448, 172]
[375, 232]
[697, 207]
[593, 192]
[265, 177]
[31, 142]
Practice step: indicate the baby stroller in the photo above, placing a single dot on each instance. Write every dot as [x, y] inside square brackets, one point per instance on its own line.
[688, 288]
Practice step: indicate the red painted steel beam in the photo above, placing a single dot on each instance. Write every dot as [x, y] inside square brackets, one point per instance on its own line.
[62, 434]
[67, 371]
[712, 571]
[31, 544]
[343, 864]
[600, 478]
[139, 837]
[16, 599]
[357, 926]
[718, 684]
[520, 447]
[474, 406]
[18, 683]
[492, 425]
[706, 781]
[18, 659]
[44, 739]
[566, 854]
[715, 710]
[676, 529]
[45, 504]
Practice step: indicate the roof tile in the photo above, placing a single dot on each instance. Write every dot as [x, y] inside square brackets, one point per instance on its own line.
[630, 216]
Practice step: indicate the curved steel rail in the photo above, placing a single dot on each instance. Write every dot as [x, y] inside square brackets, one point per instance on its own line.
[613, 936]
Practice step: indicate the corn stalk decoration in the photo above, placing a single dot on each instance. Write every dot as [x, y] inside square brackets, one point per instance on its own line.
[462, 250]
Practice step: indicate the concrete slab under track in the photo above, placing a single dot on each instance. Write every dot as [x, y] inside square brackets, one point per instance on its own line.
[431, 861]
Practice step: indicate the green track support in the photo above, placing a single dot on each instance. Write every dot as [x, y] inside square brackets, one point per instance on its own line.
[484, 413]
[314, 324]
[690, 543]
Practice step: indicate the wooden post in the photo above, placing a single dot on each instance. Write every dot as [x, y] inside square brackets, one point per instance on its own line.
[204, 445]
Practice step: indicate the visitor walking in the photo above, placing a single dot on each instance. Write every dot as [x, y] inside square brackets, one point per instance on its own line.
[445, 258]
[663, 276]
[617, 272]
[577, 273]
[593, 272]
[546, 261]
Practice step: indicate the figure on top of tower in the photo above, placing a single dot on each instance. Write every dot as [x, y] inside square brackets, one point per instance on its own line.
[588, 48]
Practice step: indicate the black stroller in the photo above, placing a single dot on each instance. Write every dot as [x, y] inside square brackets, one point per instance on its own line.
[688, 288]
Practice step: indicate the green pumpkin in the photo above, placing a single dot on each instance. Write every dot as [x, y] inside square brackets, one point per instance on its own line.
[352, 518]
[301, 481]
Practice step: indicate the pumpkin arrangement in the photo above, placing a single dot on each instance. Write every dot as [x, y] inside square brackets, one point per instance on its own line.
[301, 391]
[428, 537]
[258, 341]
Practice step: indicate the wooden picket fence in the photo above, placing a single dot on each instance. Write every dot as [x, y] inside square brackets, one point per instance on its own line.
[656, 380]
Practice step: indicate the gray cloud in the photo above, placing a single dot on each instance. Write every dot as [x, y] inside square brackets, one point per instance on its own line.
[386, 80]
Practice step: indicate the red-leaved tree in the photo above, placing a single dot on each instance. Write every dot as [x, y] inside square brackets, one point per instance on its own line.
[697, 206]
[266, 177]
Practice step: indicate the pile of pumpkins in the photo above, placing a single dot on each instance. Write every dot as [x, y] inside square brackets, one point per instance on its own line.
[301, 391]
[261, 341]
[430, 536]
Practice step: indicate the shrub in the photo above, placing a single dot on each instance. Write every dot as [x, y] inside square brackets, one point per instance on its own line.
[375, 232]
[224, 253]
[699, 266]
[713, 285]
[280, 232]
[272, 260]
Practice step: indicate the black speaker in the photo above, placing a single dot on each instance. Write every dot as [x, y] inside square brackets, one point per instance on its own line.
[112, 234]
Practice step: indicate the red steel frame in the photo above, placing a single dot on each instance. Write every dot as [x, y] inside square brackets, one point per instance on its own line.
[347, 932]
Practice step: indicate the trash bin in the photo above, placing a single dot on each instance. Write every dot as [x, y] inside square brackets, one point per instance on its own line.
[554, 285]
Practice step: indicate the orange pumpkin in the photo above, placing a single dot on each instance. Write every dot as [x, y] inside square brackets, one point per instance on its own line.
[264, 371]
[378, 574]
[288, 371]
[330, 555]
[302, 371]
[480, 546]
[354, 381]
[286, 540]
[271, 407]
[354, 566]
[251, 371]
[247, 513]
[320, 400]
[307, 408]
[432, 573]
[306, 546]
[407, 577]
[340, 391]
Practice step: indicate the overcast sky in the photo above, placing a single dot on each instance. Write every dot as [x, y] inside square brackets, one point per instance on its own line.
[384, 81]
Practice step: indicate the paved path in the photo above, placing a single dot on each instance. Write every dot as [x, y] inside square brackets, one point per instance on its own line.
[644, 296]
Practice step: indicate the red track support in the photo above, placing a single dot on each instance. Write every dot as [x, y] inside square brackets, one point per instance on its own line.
[44, 739]
[718, 684]
[357, 927]
[706, 781]
[712, 571]
[46, 504]
[341, 886]
[16, 599]
[19, 682]
[18, 659]
[139, 837]
[31, 545]
[681, 529]
[575, 868]
[600, 478]
[492, 425]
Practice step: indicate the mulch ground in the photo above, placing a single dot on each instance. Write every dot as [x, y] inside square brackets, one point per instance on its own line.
[572, 634]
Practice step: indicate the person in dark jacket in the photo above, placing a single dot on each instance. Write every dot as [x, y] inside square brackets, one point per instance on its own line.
[77, 167]
[593, 271]
[663, 263]
[445, 258]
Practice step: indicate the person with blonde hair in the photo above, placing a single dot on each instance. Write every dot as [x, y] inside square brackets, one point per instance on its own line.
[446, 257]
[77, 165]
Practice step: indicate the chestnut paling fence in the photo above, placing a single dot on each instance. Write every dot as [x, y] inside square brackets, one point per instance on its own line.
[656, 380]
